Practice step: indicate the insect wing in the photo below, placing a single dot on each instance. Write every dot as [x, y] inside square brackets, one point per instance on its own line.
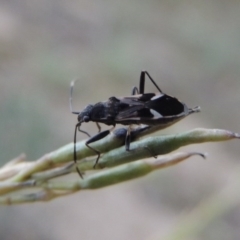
[129, 107]
[152, 109]
[134, 104]
[165, 105]
[129, 112]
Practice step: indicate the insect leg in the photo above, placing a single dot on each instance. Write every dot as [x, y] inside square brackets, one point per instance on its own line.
[128, 138]
[80, 130]
[142, 82]
[150, 152]
[135, 91]
[99, 127]
[128, 141]
[95, 138]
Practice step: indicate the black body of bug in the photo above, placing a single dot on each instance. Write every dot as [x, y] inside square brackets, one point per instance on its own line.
[140, 108]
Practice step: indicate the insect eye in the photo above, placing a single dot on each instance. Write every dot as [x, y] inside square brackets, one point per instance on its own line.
[86, 119]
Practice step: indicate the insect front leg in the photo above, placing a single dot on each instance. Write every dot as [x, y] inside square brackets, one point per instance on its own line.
[95, 138]
[98, 126]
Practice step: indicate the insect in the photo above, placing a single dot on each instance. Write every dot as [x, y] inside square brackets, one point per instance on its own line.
[152, 109]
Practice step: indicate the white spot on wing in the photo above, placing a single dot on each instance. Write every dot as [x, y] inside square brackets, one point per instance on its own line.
[155, 113]
[157, 96]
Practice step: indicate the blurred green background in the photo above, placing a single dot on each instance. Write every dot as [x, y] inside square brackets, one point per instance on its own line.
[191, 49]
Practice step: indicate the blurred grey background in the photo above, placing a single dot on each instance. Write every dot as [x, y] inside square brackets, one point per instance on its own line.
[191, 49]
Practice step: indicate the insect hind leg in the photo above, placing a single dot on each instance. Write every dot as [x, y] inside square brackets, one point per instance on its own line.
[142, 82]
[141, 89]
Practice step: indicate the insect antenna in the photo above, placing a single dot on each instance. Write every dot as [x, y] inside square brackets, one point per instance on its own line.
[77, 128]
[74, 148]
[71, 108]
[70, 98]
